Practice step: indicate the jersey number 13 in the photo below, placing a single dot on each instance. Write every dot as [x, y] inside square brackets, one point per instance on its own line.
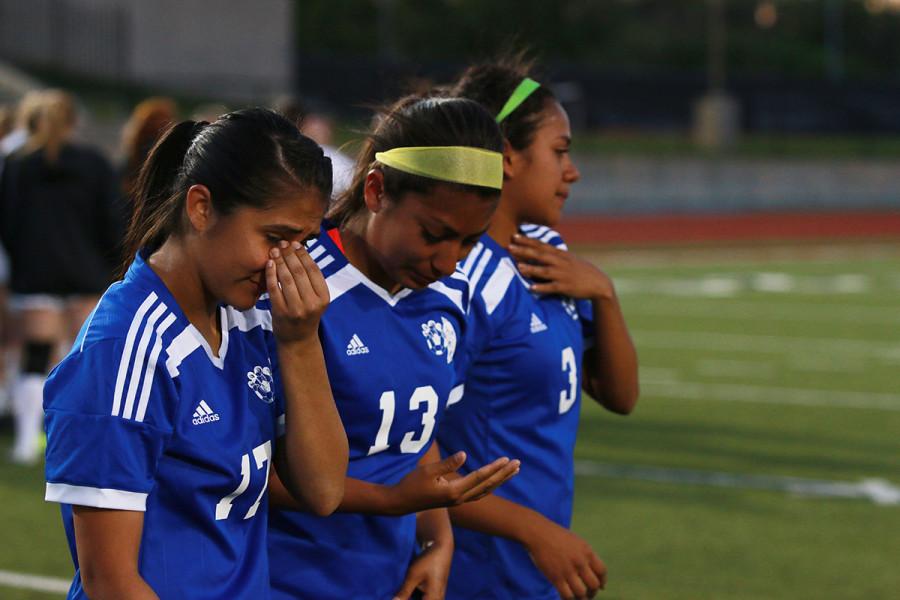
[411, 443]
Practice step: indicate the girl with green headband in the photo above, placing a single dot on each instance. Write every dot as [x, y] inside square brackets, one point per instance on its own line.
[544, 324]
[426, 186]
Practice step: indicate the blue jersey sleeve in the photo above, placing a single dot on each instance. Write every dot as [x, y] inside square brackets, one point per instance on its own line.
[109, 414]
[585, 310]
[478, 334]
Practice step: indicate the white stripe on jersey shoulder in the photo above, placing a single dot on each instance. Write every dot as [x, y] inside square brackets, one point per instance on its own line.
[341, 281]
[455, 296]
[141, 362]
[319, 253]
[549, 236]
[245, 320]
[180, 348]
[498, 284]
[456, 394]
[483, 259]
[151, 368]
[544, 234]
[95, 497]
[469, 261]
[534, 231]
[136, 366]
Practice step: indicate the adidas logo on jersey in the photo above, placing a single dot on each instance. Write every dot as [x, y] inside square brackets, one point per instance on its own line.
[537, 325]
[204, 414]
[356, 346]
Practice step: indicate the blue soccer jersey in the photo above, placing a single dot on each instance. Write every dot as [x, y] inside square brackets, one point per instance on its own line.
[392, 366]
[143, 416]
[522, 399]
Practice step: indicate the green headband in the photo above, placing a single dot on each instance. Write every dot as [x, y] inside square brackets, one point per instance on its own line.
[457, 164]
[519, 95]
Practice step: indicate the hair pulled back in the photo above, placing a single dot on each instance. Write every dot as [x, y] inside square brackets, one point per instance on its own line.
[51, 123]
[411, 122]
[245, 158]
[491, 84]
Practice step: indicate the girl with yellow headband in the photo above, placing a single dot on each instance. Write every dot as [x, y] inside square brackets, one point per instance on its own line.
[545, 324]
[425, 188]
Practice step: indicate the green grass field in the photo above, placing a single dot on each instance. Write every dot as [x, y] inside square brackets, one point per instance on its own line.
[755, 362]
[761, 365]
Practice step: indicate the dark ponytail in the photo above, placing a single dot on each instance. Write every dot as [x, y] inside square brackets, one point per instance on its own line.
[156, 214]
[491, 84]
[245, 158]
[417, 121]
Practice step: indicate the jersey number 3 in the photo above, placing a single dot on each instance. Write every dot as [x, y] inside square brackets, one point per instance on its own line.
[570, 367]
[410, 444]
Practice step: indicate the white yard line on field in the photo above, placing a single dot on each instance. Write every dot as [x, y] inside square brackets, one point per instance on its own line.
[726, 285]
[743, 342]
[879, 491]
[38, 583]
[729, 392]
[765, 310]
[659, 373]
[715, 367]
[724, 256]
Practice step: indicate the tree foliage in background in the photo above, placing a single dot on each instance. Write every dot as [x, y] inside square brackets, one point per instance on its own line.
[651, 35]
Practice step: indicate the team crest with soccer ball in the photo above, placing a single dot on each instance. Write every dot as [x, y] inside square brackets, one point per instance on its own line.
[260, 381]
[441, 338]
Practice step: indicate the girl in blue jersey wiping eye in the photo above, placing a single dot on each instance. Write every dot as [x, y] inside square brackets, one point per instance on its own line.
[185, 386]
[545, 324]
[426, 185]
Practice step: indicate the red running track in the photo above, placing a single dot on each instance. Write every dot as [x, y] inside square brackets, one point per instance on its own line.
[756, 227]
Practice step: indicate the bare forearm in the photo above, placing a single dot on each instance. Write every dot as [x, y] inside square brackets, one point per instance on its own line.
[103, 587]
[611, 366]
[433, 526]
[359, 497]
[108, 543]
[369, 498]
[315, 444]
[497, 516]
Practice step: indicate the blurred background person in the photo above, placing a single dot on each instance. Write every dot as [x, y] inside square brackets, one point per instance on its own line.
[24, 124]
[149, 119]
[7, 120]
[7, 124]
[209, 111]
[18, 123]
[319, 126]
[61, 223]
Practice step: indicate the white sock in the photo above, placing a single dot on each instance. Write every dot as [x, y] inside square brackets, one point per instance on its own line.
[28, 410]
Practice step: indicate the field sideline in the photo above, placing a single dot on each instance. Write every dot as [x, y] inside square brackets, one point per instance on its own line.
[760, 366]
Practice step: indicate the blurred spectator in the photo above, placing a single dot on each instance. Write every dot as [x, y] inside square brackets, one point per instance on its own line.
[209, 112]
[25, 123]
[149, 119]
[7, 120]
[61, 223]
[7, 123]
[318, 126]
[18, 124]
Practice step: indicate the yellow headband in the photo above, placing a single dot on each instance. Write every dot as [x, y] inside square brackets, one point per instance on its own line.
[457, 164]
